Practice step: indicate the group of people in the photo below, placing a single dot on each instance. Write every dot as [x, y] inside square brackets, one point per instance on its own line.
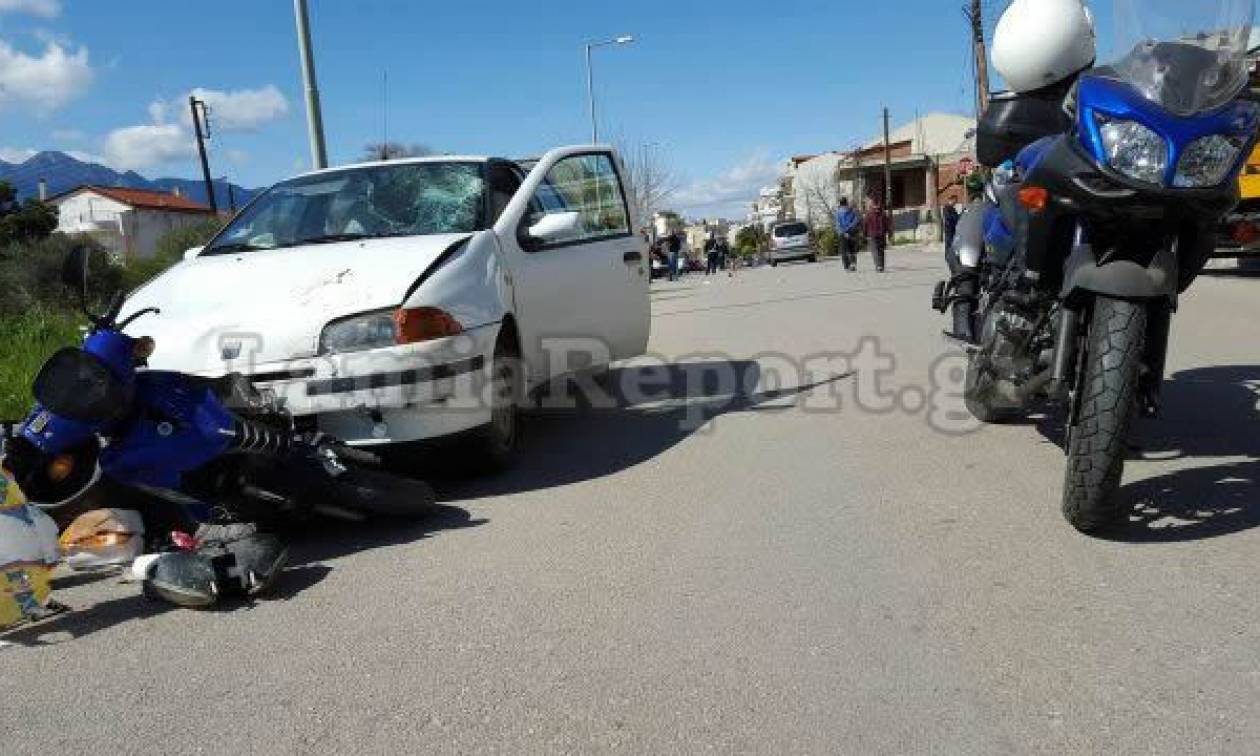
[874, 224]
[717, 252]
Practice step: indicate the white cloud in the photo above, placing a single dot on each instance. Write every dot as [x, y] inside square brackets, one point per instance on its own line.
[241, 110]
[167, 138]
[16, 155]
[729, 193]
[41, 8]
[157, 111]
[47, 82]
[136, 147]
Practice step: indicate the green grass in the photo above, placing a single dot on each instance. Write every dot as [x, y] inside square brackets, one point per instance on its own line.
[25, 342]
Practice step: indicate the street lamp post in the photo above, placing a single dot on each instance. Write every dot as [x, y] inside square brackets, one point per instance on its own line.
[625, 39]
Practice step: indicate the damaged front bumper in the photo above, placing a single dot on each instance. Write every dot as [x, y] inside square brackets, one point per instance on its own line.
[392, 395]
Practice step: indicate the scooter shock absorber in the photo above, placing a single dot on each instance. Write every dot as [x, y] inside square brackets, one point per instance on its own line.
[250, 437]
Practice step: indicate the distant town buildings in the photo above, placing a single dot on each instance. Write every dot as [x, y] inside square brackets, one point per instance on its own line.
[928, 156]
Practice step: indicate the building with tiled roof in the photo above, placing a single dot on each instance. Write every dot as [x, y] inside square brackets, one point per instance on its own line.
[127, 222]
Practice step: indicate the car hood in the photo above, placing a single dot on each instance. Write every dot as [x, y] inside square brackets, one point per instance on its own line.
[225, 312]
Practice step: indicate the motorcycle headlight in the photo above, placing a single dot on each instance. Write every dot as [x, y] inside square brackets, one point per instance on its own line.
[371, 330]
[1207, 162]
[1134, 150]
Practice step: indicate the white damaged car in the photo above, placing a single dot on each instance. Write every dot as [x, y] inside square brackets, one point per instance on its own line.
[393, 302]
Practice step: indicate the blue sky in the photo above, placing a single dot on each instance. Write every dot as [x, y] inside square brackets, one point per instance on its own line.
[726, 90]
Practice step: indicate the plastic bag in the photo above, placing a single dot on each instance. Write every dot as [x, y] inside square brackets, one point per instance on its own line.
[28, 554]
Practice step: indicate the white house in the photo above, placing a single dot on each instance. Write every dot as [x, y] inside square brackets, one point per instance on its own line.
[127, 222]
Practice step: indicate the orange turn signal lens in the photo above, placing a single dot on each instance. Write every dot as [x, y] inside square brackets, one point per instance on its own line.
[412, 326]
[1035, 198]
[60, 468]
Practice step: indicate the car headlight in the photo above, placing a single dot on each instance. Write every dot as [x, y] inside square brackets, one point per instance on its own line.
[371, 330]
[1134, 150]
[1207, 162]
[387, 328]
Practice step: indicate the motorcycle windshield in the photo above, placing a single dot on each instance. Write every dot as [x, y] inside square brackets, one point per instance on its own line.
[1188, 56]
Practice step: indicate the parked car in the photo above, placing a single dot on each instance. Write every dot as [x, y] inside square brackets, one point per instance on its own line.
[395, 302]
[791, 240]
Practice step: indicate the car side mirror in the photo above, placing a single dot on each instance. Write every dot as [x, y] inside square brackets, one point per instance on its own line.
[554, 228]
[192, 252]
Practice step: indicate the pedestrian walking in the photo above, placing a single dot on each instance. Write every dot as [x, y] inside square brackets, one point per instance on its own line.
[847, 222]
[949, 222]
[711, 256]
[878, 228]
[675, 246]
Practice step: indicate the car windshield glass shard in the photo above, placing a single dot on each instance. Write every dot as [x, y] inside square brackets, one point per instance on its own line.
[403, 199]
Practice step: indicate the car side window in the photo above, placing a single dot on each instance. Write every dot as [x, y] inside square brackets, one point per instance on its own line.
[589, 186]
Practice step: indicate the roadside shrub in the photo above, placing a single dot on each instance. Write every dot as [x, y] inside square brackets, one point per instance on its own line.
[175, 243]
[828, 241]
[30, 276]
[26, 340]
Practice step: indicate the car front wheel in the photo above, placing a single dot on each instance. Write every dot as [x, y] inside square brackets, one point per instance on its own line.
[497, 442]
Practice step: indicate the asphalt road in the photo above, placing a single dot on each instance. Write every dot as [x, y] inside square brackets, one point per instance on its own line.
[822, 561]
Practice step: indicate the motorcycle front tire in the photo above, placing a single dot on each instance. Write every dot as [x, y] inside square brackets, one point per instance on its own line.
[1097, 438]
[381, 493]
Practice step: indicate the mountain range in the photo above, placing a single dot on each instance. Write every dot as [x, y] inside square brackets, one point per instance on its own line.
[63, 173]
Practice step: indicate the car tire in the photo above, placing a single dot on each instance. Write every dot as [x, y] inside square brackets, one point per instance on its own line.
[813, 258]
[495, 444]
[774, 263]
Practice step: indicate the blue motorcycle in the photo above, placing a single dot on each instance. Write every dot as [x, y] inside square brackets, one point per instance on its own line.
[1103, 209]
[199, 451]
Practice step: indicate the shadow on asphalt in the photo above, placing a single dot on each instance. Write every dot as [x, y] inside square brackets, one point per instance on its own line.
[321, 540]
[562, 447]
[310, 544]
[135, 607]
[1208, 413]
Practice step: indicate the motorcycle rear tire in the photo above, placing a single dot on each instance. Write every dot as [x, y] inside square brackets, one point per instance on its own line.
[381, 493]
[1097, 439]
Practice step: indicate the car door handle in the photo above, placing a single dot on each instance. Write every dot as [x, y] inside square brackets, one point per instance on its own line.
[634, 256]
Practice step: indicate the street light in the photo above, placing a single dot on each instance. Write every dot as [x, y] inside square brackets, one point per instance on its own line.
[624, 39]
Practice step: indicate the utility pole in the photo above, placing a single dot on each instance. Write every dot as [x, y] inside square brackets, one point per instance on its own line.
[590, 97]
[314, 116]
[975, 16]
[202, 128]
[887, 167]
[231, 196]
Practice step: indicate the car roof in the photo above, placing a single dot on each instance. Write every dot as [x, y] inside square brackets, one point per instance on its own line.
[400, 161]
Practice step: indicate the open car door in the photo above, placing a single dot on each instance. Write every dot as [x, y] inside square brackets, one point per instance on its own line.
[579, 271]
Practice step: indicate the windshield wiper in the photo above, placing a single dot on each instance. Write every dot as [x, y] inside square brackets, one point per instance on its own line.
[227, 249]
[331, 239]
